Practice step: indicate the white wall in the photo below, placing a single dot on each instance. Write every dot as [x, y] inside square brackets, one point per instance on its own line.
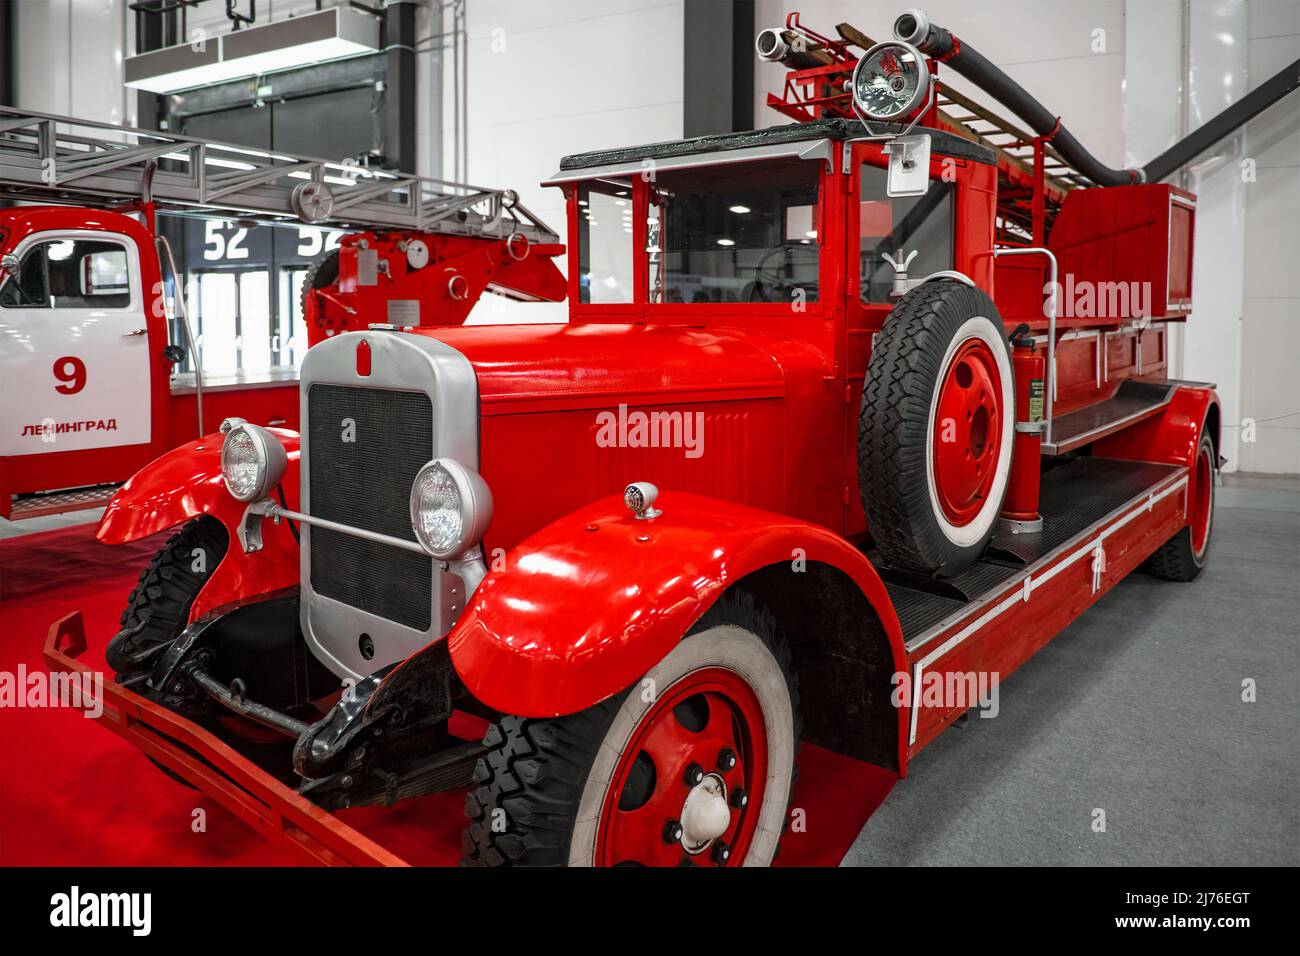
[1244, 333]
[551, 78]
[69, 58]
[1209, 345]
[1270, 347]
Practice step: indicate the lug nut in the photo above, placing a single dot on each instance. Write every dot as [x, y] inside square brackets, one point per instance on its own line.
[694, 774]
[726, 759]
[739, 799]
[672, 832]
[721, 853]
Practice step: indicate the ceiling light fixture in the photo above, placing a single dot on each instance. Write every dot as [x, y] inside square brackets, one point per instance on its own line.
[298, 41]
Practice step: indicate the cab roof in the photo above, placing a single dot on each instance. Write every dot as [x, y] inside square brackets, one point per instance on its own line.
[944, 143]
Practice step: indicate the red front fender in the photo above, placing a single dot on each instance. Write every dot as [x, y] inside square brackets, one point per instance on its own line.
[185, 483]
[591, 602]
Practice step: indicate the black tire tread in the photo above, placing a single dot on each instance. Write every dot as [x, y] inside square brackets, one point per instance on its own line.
[323, 271]
[1173, 560]
[166, 588]
[536, 768]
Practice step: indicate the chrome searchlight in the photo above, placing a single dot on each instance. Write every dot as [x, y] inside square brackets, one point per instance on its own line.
[252, 460]
[451, 507]
[890, 82]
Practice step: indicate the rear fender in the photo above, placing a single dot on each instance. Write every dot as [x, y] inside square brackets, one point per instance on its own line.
[590, 603]
[1172, 437]
[186, 483]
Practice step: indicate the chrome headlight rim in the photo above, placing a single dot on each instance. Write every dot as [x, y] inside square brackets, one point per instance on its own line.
[271, 459]
[475, 508]
[919, 96]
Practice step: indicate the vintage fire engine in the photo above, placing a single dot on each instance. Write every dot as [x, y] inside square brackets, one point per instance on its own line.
[821, 421]
[90, 341]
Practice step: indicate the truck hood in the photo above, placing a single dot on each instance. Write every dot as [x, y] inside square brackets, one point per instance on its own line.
[531, 368]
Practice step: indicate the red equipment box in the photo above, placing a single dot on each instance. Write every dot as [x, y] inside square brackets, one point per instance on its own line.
[1140, 236]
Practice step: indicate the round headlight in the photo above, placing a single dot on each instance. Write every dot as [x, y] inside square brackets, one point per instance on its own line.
[252, 462]
[890, 82]
[450, 508]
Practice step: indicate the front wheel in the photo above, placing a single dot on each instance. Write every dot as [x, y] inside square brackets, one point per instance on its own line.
[693, 765]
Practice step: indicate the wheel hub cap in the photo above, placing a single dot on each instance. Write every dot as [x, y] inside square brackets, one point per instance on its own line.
[691, 777]
[967, 431]
[705, 814]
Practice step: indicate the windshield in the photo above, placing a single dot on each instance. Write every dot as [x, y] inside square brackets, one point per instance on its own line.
[745, 232]
[605, 242]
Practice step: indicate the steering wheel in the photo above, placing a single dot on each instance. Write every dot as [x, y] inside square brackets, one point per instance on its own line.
[764, 276]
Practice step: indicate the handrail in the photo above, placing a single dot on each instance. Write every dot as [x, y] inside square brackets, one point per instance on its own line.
[1051, 327]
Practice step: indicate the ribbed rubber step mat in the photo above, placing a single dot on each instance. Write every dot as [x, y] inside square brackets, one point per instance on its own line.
[1074, 497]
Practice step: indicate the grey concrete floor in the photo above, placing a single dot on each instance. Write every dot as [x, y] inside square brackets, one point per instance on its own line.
[1135, 710]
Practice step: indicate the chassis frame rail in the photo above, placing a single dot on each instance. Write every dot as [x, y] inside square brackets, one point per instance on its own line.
[254, 796]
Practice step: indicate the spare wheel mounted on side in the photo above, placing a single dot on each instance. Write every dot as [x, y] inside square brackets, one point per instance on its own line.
[935, 429]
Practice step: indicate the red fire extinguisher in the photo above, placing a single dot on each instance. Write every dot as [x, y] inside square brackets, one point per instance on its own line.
[1020, 506]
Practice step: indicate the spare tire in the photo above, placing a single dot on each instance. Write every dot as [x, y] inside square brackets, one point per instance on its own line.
[935, 428]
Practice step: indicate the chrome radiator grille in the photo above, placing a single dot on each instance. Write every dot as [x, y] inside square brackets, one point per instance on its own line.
[365, 482]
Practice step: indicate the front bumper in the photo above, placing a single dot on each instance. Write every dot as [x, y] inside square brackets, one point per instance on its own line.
[257, 798]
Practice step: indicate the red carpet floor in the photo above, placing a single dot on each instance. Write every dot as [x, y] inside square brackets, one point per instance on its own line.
[76, 794]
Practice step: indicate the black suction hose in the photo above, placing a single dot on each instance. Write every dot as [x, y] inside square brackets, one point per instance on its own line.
[915, 28]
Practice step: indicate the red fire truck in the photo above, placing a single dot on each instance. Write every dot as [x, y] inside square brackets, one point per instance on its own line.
[821, 435]
[93, 330]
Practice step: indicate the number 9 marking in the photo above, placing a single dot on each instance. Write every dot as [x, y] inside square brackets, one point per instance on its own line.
[71, 371]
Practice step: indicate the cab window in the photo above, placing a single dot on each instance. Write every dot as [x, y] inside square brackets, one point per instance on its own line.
[605, 242]
[744, 232]
[70, 274]
[898, 226]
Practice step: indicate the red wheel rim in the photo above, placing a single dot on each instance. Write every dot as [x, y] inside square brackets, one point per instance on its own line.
[967, 431]
[695, 722]
[1202, 501]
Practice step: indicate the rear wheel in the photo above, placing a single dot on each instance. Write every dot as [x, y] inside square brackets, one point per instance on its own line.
[692, 766]
[1183, 556]
[935, 429]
